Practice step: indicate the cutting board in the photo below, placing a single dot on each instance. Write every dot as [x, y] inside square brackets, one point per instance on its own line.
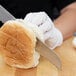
[67, 54]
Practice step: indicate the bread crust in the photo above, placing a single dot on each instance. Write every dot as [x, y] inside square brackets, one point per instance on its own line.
[18, 43]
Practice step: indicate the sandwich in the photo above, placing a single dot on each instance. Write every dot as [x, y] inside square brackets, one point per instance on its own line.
[17, 44]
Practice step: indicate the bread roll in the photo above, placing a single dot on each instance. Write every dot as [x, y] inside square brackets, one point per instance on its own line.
[18, 43]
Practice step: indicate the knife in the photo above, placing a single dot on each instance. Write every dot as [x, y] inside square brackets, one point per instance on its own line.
[40, 47]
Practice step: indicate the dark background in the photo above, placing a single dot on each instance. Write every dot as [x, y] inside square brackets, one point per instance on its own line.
[19, 8]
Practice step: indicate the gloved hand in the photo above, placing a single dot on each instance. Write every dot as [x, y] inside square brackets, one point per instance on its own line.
[52, 36]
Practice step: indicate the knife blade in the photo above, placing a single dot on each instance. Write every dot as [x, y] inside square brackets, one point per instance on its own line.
[5, 15]
[40, 47]
[48, 53]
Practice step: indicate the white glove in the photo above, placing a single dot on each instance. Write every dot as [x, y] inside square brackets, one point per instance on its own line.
[52, 36]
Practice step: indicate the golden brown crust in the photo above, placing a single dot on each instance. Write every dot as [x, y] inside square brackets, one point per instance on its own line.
[19, 44]
[19, 32]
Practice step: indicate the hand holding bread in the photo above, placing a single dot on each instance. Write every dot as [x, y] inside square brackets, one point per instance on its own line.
[52, 36]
